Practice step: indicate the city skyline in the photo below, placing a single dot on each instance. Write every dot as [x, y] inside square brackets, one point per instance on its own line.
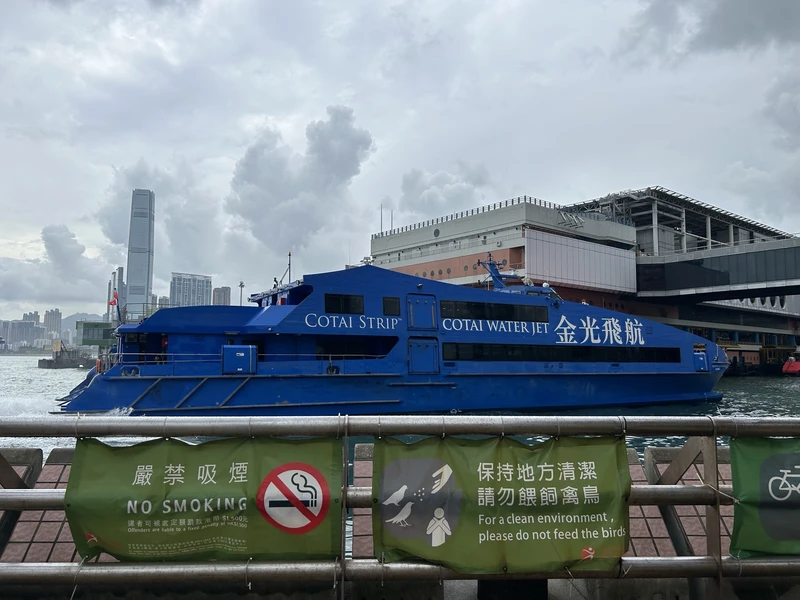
[32, 330]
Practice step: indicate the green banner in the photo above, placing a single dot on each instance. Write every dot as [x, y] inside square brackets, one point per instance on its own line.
[497, 505]
[230, 499]
[766, 483]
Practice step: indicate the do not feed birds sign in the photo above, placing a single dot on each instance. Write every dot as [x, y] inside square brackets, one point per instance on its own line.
[497, 505]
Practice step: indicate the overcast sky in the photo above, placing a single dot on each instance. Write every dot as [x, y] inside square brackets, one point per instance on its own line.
[266, 126]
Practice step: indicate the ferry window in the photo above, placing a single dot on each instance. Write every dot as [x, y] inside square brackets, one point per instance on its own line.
[483, 311]
[344, 304]
[391, 307]
[541, 353]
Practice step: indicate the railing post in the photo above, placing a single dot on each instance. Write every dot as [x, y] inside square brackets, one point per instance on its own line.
[345, 485]
[713, 587]
[8, 476]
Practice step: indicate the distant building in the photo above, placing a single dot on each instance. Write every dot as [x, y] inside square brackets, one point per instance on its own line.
[31, 316]
[52, 321]
[94, 333]
[163, 302]
[117, 282]
[221, 296]
[66, 336]
[141, 247]
[187, 289]
[24, 333]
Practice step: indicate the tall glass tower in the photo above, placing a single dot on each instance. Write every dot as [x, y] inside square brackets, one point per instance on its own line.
[141, 242]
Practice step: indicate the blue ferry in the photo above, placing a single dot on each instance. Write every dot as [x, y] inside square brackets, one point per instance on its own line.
[367, 340]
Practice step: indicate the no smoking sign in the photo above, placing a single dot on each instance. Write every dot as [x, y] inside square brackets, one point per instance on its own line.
[294, 497]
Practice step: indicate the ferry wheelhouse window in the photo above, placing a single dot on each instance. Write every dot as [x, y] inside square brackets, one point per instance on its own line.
[485, 311]
[391, 307]
[541, 353]
[344, 304]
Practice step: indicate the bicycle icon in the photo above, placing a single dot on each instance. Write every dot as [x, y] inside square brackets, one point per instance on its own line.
[781, 488]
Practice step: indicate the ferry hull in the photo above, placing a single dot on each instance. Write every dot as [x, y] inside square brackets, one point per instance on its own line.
[364, 394]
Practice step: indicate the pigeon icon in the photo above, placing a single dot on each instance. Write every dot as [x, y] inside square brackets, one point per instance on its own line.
[400, 518]
[396, 497]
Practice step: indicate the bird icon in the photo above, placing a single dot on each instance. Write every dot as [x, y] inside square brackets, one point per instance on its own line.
[400, 518]
[396, 497]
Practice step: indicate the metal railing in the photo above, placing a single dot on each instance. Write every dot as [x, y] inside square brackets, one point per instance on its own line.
[702, 245]
[451, 246]
[137, 359]
[703, 432]
[498, 205]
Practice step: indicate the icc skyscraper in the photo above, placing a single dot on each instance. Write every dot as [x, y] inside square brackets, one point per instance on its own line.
[141, 242]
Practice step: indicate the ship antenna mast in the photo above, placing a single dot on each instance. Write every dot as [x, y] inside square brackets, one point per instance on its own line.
[287, 271]
[491, 266]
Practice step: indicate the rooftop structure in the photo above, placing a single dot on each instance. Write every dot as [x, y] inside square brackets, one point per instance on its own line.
[651, 252]
[685, 224]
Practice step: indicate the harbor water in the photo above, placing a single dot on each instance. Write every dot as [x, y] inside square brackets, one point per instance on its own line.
[26, 390]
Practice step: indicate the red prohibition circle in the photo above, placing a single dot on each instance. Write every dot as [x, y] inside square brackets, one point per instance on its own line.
[272, 476]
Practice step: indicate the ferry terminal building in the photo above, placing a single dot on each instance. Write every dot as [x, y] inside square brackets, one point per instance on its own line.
[650, 252]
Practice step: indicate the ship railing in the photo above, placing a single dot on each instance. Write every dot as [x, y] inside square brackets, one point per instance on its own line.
[175, 359]
[706, 573]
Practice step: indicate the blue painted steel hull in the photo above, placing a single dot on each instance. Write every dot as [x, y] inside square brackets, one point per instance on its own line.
[293, 396]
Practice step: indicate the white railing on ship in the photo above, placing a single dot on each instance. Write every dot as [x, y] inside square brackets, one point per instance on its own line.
[158, 358]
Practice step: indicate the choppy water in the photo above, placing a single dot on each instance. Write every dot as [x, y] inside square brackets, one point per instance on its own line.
[26, 390]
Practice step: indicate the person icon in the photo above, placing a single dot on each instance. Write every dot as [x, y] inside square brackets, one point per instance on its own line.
[438, 528]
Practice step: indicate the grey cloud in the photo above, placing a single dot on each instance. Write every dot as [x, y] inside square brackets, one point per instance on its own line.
[65, 273]
[156, 4]
[771, 196]
[283, 196]
[433, 194]
[63, 248]
[781, 184]
[160, 4]
[682, 26]
[782, 107]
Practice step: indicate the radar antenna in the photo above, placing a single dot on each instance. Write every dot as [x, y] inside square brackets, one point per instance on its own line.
[498, 278]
